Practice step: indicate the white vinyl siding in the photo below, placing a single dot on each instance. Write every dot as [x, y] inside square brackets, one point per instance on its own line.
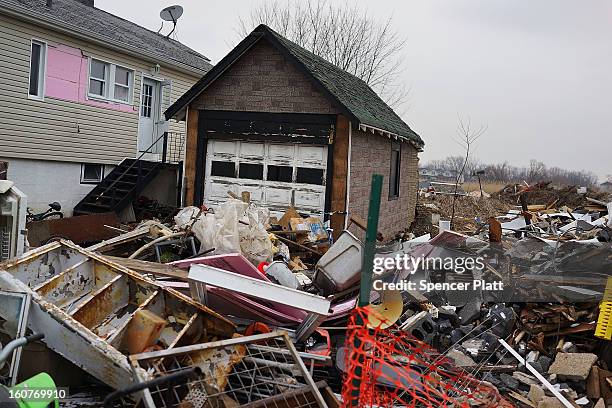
[62, 130]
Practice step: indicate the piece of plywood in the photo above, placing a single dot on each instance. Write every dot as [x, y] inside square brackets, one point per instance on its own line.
[191, 155]
[340, 175]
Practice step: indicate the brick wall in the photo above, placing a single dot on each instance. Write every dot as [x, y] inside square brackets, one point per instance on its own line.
[263, 80]
[371, 153]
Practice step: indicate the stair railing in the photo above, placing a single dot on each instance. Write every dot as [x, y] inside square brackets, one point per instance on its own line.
[139, 161]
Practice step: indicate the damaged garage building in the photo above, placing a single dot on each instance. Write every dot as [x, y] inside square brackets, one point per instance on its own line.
[287, 126]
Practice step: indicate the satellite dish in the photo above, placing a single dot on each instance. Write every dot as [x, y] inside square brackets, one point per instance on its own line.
[171, 13]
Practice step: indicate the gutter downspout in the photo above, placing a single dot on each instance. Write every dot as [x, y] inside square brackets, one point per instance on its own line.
[347, 215]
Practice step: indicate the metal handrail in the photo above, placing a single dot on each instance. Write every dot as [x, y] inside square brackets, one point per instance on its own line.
[164, 136]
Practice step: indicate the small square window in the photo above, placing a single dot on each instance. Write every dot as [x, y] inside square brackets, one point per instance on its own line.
[98, 69]
[280, 173]
[122, 76]
[251, 171]
[223, 169]
[310, 176]
[91, 173]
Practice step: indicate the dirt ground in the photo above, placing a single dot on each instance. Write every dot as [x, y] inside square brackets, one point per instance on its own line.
[468, 212]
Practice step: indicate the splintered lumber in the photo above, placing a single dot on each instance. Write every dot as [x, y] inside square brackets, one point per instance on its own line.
[305, 248]
[121, 239]
[153, 268]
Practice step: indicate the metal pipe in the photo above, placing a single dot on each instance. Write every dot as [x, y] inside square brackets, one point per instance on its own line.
[8, 349]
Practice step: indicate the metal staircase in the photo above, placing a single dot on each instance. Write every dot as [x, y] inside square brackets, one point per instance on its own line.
[124, 184]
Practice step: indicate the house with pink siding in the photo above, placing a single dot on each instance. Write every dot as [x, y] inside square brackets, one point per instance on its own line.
[82, 95]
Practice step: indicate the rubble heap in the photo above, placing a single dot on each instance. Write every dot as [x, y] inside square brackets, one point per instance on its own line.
[239, 307]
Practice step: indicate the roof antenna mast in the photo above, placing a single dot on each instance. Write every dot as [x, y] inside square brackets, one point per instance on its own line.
[171, 13]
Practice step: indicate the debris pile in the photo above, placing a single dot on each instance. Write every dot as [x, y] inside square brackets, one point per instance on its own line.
[231, 306]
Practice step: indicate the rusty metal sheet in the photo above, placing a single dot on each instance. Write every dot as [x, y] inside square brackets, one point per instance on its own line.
[86, 302]
[81, 229]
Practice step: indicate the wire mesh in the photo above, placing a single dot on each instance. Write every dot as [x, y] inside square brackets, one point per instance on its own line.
[255, 371]
[175, 146]
[391, 368]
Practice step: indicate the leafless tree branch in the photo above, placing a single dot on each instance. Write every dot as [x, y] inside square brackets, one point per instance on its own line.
[342, 34]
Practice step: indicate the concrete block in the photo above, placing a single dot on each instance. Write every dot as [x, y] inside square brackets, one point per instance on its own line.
[536, 393]
[550, 402]
[573, 366]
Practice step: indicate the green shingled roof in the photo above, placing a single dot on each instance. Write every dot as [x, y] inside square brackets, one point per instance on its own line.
[351, 93]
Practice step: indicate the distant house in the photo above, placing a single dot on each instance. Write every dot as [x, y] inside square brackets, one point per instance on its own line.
[81, 91]
[273, 119]
[606, 186]
[427, 174]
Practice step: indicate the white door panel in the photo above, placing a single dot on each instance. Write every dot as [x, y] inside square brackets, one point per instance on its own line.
[311, 154]
[149, 115]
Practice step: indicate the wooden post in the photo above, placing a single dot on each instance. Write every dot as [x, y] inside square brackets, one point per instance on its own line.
[339, 175]
[495, 230]
[191, 155]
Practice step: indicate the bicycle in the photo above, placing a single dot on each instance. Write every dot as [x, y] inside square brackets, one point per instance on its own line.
[54, 211]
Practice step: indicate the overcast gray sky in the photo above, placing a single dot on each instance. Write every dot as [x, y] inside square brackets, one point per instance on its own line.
[538, 73]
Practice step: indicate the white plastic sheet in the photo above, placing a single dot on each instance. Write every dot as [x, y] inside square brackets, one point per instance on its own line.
[234, 227]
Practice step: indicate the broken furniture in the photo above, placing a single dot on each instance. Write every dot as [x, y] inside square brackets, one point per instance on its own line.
[264, 370]
[90, 305]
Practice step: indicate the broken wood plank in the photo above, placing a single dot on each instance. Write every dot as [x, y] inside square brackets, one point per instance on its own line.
[121, 239]
[153, 268]
[191, 155]
[305, 248]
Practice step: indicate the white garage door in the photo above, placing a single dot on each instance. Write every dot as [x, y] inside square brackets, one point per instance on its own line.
[276, 174]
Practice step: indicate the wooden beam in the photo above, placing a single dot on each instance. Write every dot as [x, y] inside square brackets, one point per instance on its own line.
[154, 268]
[191, 155]
[340, 175]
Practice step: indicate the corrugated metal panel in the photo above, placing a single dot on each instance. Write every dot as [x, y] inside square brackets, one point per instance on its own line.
[55, 129]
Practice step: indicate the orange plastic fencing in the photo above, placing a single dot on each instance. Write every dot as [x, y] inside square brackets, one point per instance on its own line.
[391, 368]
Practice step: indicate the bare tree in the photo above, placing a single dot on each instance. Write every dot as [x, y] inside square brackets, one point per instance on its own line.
[467, 135]
[536, 170]
[342, 34]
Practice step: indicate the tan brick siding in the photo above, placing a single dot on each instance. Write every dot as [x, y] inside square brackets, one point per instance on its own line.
[263, 80]
[370, 154]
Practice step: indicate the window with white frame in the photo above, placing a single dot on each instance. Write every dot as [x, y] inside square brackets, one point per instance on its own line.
[91, 173]
[110, 81]
[37, 69]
